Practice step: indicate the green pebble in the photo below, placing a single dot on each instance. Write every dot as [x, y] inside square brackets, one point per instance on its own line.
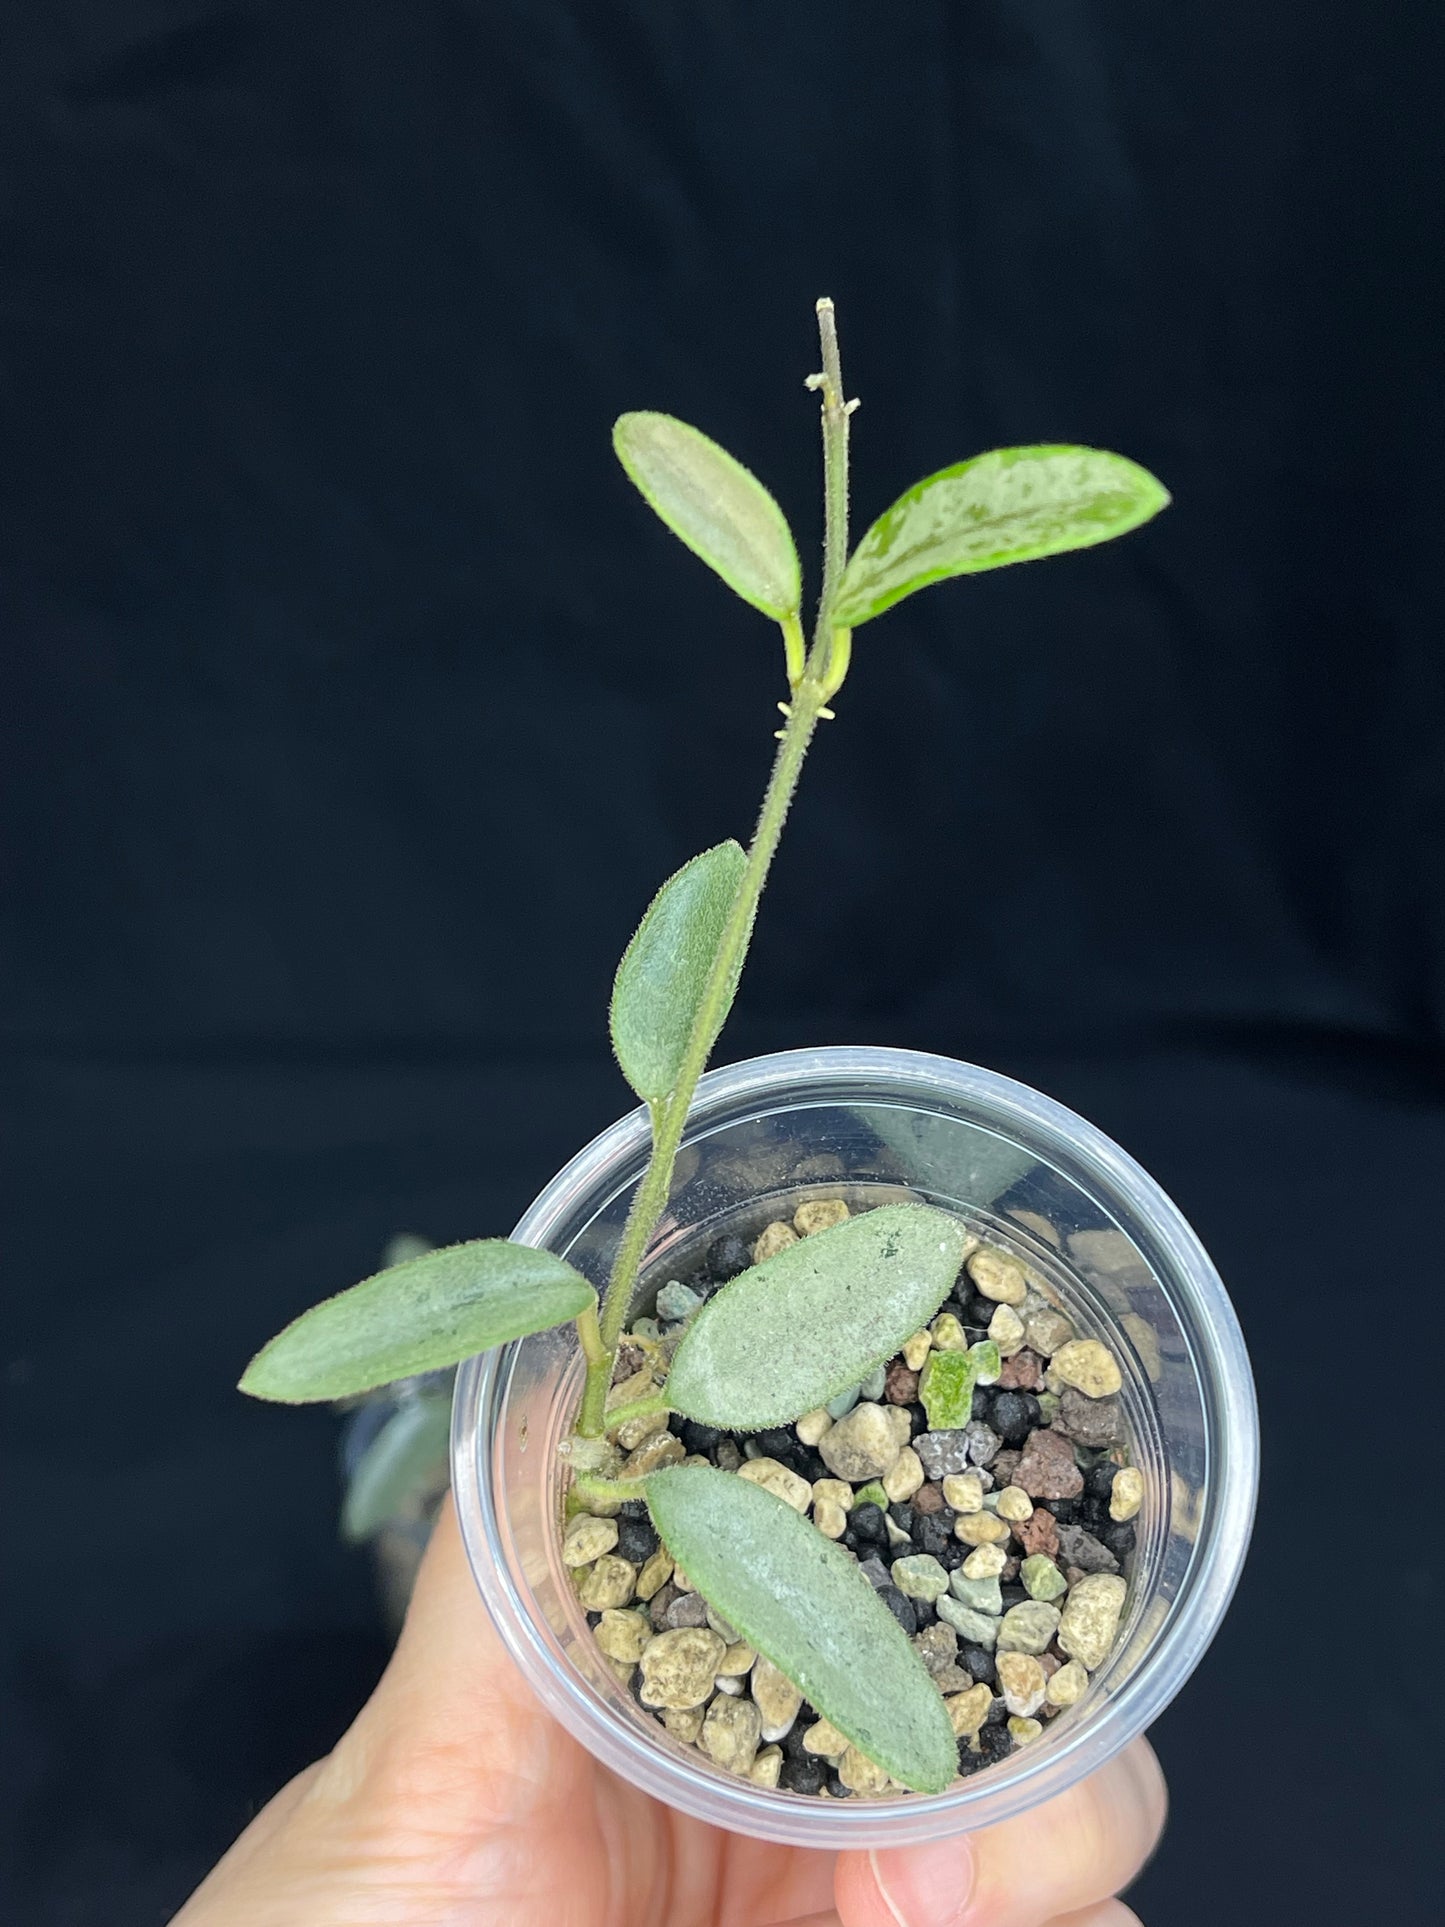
[1048, 1407]
[976, 1628]
[872, 1386]
[872, 1494]
[946, 1388]
[987, 1361]
[920, 1577]
[842, 1404]
[983, 1595]
[1042, 1578]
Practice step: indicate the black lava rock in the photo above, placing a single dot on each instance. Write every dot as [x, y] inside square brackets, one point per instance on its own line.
[1014, 1416]
[775, 1443]
[1099, 1480]
[792, 1740]
[933, 1531]
[901, 1515]
[1012, 1596]
[917, 1420]
[1093, 1516]
[808, 1464]
[978, 1661]
[698, 1437]
[867, 1524]
[1066, 1511]
[728, 1255]
[636, 1538]
[837, 1788]
[802, 1773]
[982, 1407]
[979, 1311]
[1119, 1538]
[900, 1606]
[994, 1743]
[953, 1555]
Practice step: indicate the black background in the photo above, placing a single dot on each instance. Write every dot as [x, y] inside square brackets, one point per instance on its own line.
[354, 706]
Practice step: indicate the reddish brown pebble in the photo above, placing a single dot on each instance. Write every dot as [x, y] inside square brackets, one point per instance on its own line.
[1050, 1663]
[1047, 1469]
[630, 1358]
[901, 1385]
[1021, 1373]
[1039, 1534]
[928, 1499]
[1010, 1571]
[1004, 1467]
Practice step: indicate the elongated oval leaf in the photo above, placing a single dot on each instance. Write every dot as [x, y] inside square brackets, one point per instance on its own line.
[1012, 505]
[663, 970]
[800, 1600]
[407, 1456]
[432, 1311]
[794, 1331]
[719, 508]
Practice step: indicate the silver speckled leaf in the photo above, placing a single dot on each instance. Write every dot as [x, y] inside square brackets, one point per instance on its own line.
[794, 1331]
[1011, 505]
[801, 1601]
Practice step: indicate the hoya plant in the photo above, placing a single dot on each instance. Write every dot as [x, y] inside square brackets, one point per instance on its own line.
[813, 1320]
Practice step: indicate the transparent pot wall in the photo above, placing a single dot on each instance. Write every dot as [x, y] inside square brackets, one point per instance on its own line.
[874, 1126]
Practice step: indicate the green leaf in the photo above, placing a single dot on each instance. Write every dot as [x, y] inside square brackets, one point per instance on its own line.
[794, 1331]
[432, 1311]
[721, 510]
[801, 1601]
[1012, 505]
[408, 1456]
[663, 971]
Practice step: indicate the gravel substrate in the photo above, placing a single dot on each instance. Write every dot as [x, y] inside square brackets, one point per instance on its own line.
[1001, 1543]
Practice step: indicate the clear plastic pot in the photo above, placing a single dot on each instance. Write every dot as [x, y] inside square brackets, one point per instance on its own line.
[871, 1125]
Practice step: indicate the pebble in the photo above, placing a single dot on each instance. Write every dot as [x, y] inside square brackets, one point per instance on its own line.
[737, 1660]
[684, 1723]
[1091, 1618]
[1046, 1467]
[587, 1539]
[983, 1442]
[842, 1403]
[936, 1645]
[860, 1774]
[874, 1571]
[929, 1499]
[952, 1678]
[773, 1239]
[975, 1628]
[1028, 1627]
[812, 1425]
[1082, 1550]
[636, 1534]
[1088, 1366]
[945, 1387]
[661, 1600]
[727, 1634]
[623, 1635]
[777, 1479]
[1127, 1493]
[678, 1668]
[654, 1575]
[984, 1562]
[677, 1301]
[1006, 1329]
[1024, 1730]
[916, 1349]
[1047, 1330]
[832, 1492]
[983, 1595]
[901, 1607]
[803, 1774]
[1093, 1422]
[872, 1386]
[963, 1491]
[920, 1577]
[730, 1733]
[900, 1385]
[904, 1477]
[1039, 1532]
[729, 1685]
[1015, 1505]
[1042, 1578]
[864, 1444]
[688, 1609]
[819, 1214]
[776, 1697]
[1067, 1685]
[998, 1276]
[980, 1528]
[611, 1582]
[663, 1448]
[1022, 1682]
[942, 1453]
[823, 1739]
[830, 1519]
[1023, 1372]
[947, 1334]
[766, 1768]
[969, 1710]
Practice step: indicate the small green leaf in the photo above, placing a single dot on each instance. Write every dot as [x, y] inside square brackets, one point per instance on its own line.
[407, 1456]
[1011, 505]
[431, 1311]
[801, 1601]
[794, 1331]
[664, 969]
[718, 508]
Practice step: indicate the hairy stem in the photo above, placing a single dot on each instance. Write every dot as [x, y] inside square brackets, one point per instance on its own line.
[809, 697]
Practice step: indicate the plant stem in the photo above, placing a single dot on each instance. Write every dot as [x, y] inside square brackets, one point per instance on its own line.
[619, 1415]
[809, 697]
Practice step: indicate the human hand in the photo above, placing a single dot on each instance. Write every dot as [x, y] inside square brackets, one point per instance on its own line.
[455, 1801]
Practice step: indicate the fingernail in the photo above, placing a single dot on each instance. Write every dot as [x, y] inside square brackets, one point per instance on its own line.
[926, 1886]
